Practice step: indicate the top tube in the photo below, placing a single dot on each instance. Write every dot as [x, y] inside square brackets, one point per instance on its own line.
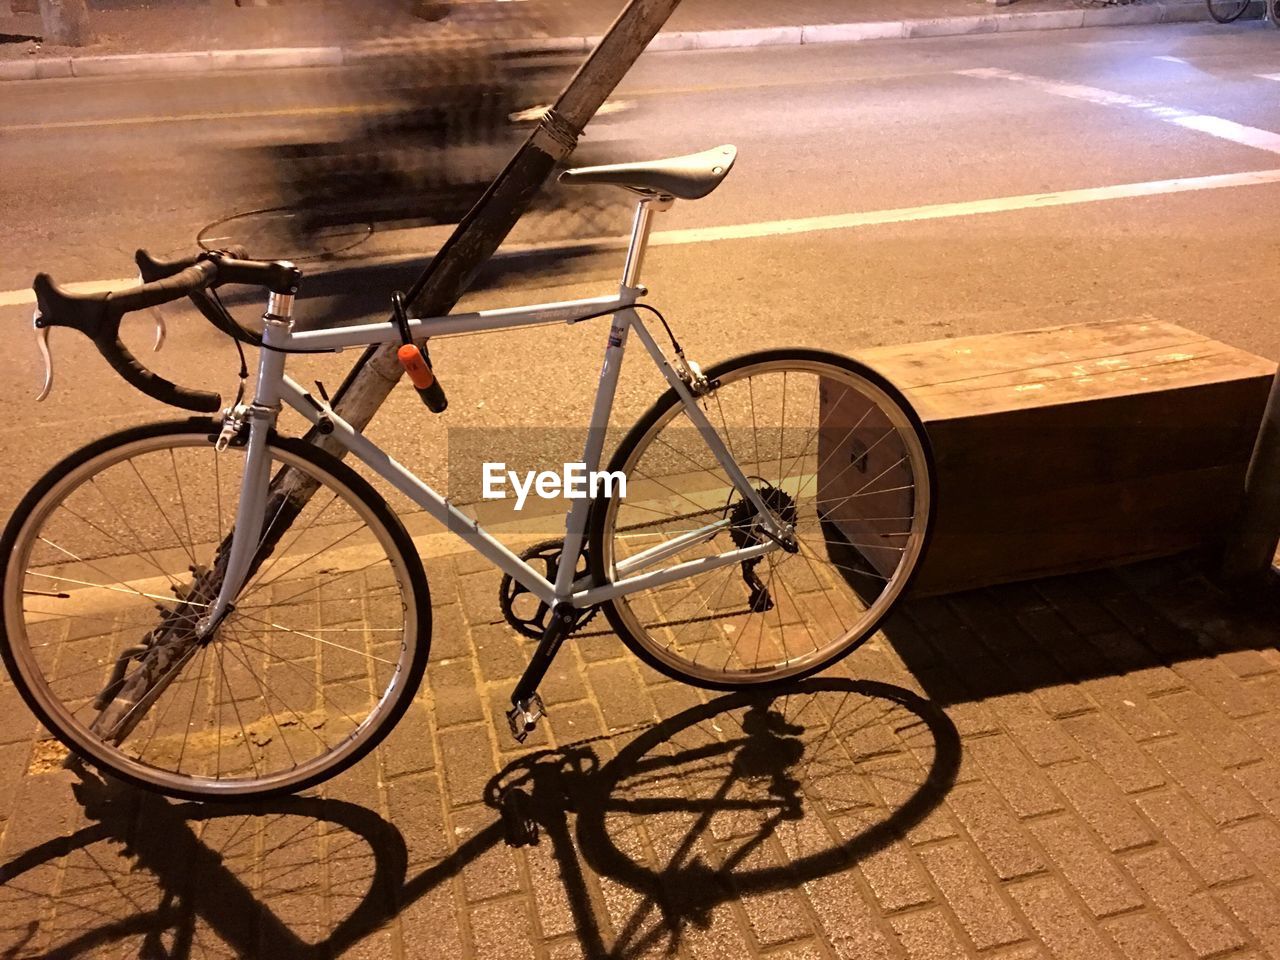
[364, 334]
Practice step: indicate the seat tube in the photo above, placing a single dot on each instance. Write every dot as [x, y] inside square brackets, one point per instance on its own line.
[640, 227]
[576, 520]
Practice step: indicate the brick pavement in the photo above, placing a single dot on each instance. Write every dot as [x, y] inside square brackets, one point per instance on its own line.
[1083, 767]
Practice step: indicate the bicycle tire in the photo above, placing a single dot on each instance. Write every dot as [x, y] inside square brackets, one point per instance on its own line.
[66, 478]
[1226, 11]
[604, 513]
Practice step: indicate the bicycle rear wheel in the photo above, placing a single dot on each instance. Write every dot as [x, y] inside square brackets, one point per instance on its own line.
[107, 569]
[833, 449]
[1226, 11]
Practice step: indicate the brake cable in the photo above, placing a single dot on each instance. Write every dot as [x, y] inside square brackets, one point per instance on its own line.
[244, 364]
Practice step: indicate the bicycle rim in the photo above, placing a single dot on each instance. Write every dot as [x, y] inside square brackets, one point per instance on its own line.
[312, 667]
[833, 449]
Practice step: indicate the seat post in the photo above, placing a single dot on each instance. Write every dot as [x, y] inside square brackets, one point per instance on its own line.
[649, 204]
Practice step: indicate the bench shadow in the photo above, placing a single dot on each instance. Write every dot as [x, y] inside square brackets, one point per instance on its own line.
[1053, 631]
[1047, 633]
[738, 796]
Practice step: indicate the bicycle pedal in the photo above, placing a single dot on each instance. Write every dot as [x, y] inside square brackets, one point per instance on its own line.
[523, 717]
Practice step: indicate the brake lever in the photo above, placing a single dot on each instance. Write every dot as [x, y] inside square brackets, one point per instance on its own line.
[42, 341]
[158, 317]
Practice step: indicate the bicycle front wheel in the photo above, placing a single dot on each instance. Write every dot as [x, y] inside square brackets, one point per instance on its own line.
[834, 450]
[108, 563]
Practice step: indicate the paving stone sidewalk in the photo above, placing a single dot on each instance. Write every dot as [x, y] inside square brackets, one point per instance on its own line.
[1085, 767]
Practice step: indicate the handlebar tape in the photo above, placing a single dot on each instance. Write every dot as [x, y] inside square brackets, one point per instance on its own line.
[98, 317]
[153, 268]
[233, 266]
[154, 385]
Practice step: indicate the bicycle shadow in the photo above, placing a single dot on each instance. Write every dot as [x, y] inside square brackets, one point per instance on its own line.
[725, 800]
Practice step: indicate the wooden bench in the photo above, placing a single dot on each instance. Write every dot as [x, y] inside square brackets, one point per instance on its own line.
[1077, 447]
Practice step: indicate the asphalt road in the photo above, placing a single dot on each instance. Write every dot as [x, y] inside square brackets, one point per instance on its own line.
[93, 169]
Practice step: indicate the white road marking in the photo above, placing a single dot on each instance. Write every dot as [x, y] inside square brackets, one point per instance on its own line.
[21, 298]
[1214, 126]
[841, 221]
[1267, 76]
[1230, 130]
[1170, 59]
[938, 211]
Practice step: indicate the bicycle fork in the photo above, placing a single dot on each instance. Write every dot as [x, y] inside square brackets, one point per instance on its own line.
[252, 526]
[125, 700]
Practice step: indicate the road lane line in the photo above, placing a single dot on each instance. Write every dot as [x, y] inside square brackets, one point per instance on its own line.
[22, 298]
[841, 221]
[1214, 126]
[201, 117]
[1230, 130]
[1267, 76]
[939, 211]
[359, 108]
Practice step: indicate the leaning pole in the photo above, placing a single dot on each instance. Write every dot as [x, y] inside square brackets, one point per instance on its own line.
[505, 201]
[434, 293]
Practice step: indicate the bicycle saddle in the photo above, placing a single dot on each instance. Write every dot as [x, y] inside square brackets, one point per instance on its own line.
[688, 178]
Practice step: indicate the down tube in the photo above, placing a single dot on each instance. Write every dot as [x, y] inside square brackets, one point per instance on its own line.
[457, 522]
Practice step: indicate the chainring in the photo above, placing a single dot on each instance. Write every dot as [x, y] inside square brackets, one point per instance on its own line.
[515, 599]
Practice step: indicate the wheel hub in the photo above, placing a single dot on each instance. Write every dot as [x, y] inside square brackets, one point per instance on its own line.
[744, 524]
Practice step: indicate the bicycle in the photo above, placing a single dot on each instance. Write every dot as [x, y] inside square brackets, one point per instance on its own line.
[211, 609]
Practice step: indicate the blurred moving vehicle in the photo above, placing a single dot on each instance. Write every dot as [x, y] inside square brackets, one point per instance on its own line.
[446, 112]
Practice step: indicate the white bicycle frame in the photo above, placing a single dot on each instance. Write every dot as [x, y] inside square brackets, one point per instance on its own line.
[274, 387]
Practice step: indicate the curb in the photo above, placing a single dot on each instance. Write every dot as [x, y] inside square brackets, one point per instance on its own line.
[209, 61]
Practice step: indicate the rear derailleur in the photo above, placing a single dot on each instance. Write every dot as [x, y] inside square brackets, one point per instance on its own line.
[747, 530]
